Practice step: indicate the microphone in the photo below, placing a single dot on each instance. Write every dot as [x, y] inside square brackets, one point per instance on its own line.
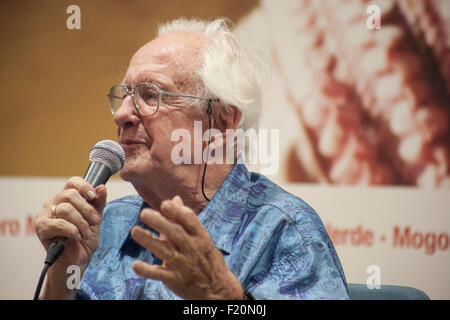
[106, 158]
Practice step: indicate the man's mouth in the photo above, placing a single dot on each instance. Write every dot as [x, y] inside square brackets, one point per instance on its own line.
[133, 140]
[130, 142]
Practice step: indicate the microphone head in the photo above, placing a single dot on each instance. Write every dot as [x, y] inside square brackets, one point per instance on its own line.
[109, 153]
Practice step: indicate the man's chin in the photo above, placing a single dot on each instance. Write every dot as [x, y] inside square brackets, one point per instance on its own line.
[131, 174]
[125, 174]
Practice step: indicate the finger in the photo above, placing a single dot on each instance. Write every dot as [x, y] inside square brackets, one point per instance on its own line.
[67, 212]
[158, 247]
[182, 215]
[159, 223]
[152, 271]
[47, 229]
[47, 210]
[73, 197]
[83, 187]
[172, 231]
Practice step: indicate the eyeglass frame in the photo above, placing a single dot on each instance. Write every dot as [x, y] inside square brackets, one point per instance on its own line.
[160, 92]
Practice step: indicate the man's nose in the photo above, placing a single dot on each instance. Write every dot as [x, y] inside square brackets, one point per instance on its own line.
[126, 115]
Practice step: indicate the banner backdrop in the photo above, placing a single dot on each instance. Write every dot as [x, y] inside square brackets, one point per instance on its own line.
[360, 98]
[391, 235]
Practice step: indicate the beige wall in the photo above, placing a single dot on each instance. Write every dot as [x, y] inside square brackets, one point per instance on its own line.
[54, 81]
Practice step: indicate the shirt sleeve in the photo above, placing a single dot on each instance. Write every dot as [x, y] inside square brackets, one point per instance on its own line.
[301, 264]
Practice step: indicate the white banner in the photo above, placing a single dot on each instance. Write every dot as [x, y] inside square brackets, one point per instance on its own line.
[22, 256]
[402, 233]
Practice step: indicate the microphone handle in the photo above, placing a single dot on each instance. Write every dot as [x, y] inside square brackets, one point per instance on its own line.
[97, 173]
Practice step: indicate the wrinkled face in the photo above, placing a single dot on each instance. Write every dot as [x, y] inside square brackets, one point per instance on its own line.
[168, 61]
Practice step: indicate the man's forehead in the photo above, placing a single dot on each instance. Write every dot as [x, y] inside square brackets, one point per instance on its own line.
[170, 52]
[171, 47]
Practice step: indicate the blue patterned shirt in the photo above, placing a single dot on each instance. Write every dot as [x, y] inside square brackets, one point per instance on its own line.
[273, 242]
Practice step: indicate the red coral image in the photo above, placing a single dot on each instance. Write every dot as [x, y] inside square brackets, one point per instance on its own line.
[379, 110]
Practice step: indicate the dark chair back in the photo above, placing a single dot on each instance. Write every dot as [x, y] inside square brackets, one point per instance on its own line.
[386, 292]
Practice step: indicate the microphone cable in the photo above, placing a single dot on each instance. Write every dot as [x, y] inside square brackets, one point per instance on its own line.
[55, 249]
[41, 281]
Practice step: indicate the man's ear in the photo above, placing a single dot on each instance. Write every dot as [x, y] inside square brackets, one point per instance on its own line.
[227, 117]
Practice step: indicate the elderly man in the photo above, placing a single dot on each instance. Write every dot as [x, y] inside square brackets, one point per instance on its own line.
[229, 234]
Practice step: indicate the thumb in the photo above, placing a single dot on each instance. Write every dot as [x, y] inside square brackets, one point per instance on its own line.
[178, 200]
[100, 199]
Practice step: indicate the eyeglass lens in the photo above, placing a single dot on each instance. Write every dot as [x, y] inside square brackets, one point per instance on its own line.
[146, 97]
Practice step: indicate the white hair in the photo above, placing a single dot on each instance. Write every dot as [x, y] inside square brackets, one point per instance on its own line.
[232, 71]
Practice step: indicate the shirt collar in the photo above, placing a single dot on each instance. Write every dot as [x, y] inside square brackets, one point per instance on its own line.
[222, 215]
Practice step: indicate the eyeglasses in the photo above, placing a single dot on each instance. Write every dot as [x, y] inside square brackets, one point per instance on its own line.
[146, 97]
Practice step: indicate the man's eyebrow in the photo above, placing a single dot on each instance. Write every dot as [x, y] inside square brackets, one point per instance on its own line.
[146, 77]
